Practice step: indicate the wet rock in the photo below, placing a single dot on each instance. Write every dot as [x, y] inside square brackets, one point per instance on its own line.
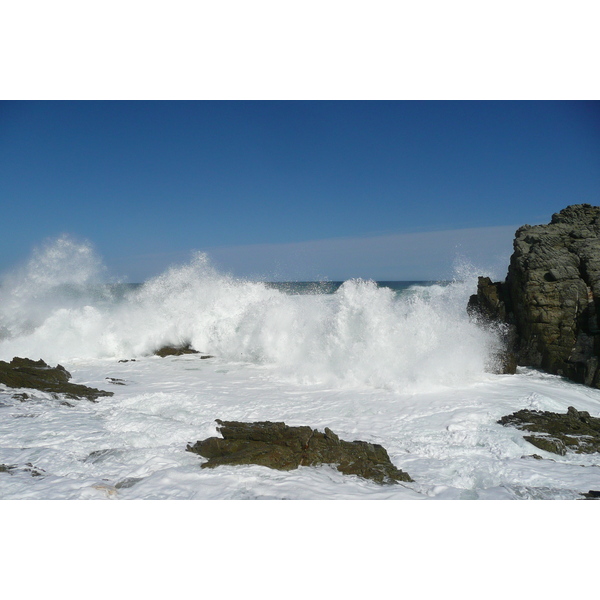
[179, 351]
[489, 308]
[550, 301]
[281, 447]
[533, 456]
[127, 482]
[175, 351]
[115, 381]
[28, 468]
[34, 471]
[574, 431]
[98, 455]
[27, 373]
[592, 495]
[489, 303]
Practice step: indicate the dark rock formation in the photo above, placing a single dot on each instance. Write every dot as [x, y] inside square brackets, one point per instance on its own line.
[489, 307]
[28, 468]
[178, 351]
[554, 432]
[26, 373]
[278, 446]
[592, 495]
[550, 301]
[175, 351]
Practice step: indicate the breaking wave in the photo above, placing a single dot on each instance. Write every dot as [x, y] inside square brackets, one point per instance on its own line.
[58, 309]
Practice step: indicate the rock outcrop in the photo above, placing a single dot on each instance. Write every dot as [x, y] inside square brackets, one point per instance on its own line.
[178, 351]
[37, 375]
[550, 301]
[592, 495]
[281, 447]
[553, 432]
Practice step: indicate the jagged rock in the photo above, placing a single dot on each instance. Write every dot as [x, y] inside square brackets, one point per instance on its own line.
[27, 373]
[489, 302]
[488, 307]
[281, 447]
[575, 430]
[550, 299]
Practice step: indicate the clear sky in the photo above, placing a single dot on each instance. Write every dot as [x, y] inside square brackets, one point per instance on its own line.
[292, 189]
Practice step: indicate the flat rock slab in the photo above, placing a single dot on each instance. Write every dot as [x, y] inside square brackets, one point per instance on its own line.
[278, 446]
[555, 432]
[37, 375]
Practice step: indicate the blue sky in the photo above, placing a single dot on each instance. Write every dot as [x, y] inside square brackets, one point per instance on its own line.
[292, 189]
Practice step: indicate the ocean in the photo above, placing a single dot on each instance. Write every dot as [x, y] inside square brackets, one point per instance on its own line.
[393, 363]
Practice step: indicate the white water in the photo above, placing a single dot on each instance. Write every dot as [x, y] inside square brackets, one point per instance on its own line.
[407, 372]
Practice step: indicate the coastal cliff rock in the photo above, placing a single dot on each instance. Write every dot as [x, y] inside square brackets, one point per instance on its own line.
[550, 301]
[27, 373]
[278, 446]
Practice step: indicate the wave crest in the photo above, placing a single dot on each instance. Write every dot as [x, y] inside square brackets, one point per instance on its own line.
[361, 335]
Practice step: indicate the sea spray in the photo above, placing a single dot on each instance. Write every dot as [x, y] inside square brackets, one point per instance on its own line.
[361, 335]
[61, 273]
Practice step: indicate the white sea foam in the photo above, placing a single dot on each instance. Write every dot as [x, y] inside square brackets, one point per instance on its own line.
[360, 335]
[406, 371]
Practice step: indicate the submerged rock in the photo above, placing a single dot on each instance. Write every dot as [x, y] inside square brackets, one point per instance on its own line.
[550, 301]
[553, 432]
[27, 373]
[28, 468]
[127, 482]
[278, 446]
